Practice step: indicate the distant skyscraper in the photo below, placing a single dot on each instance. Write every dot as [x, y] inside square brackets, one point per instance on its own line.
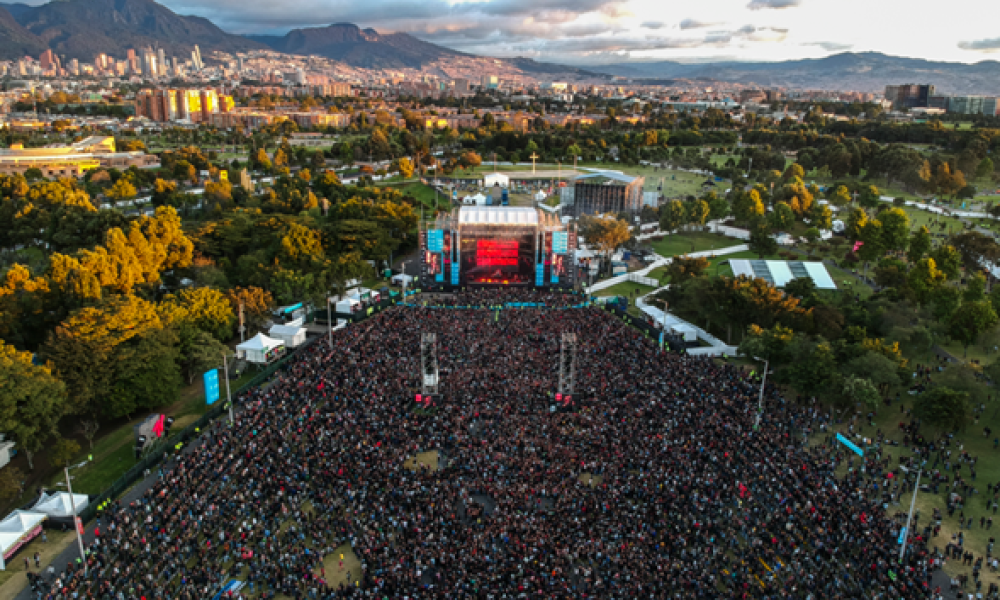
[47, 60]
[161, 62]
[196, 56]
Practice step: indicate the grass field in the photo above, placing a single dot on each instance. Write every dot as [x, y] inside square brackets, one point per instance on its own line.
[13, 578]
[628, 289]
[686, 242]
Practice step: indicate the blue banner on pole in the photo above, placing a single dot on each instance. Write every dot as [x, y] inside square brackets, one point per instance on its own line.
[850, 445]
[211, 386]
[902, 535]
[454, 273]
[539, 275]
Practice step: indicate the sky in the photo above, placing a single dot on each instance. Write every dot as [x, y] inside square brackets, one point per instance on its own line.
[603, 31]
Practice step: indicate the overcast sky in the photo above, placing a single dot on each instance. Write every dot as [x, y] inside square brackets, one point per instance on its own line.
[593, 31]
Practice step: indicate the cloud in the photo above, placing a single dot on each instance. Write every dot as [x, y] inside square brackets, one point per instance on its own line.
[693, 24]
[653, 25]
[775, 4]
[988, 45]
[830, 46]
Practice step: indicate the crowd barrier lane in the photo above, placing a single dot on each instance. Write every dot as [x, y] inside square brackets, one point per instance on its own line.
[152, 459]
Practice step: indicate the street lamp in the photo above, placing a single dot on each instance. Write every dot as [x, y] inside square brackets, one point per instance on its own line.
[76, 519]
[760, 398]
[229, 397]
[402, 269]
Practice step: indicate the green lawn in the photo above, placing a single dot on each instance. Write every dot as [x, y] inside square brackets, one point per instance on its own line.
[690, 241]
[628, 289]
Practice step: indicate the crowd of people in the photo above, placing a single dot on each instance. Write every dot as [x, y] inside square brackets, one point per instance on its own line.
[656, 484]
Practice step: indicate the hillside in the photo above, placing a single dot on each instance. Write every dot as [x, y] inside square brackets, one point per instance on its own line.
[365, 48]
[866, 71]
[84, 28]
[15, 40]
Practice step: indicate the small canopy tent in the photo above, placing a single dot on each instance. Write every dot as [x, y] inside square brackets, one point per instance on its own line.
[259, 349]
[348, 306]
[539, 196]
[492, 179]
[19, 528]
[57, 506]
[292, 334]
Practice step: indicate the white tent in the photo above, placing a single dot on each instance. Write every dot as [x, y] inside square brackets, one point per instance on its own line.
[57, 505]
[540, 196]
[19, 528]
[401, 278]
[291, 335]
[492, 179]
[258, 349]
[348, 306]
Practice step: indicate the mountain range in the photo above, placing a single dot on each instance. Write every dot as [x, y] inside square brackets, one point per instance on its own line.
[858, 71]
[82, 29]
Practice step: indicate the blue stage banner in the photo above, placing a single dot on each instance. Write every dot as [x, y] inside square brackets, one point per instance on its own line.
[454, 273]
[560, 242]
[211, 379]
[435, 240]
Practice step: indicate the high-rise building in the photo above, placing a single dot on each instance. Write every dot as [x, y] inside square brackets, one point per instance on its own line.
[461, 86]
[47, 60]
[490, 82]
[196, 58]
[910, 95]
[74, 67]
[161, 62]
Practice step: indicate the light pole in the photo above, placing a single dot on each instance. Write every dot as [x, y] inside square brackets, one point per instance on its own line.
[76, 518]
[760, 398]
[402, 269]
[329, 322]
[913, 503]
[229, 397]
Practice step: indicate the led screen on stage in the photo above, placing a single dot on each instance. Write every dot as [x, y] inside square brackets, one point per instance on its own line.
[496, 253]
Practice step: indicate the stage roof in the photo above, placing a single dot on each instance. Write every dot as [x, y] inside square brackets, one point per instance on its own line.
[780, 272]
[498, 215]
[612, 175]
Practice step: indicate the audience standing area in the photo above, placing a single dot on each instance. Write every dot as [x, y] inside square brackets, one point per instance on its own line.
[507, 443]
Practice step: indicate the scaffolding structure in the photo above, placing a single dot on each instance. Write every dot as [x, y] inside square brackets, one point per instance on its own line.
[567, 364]
[428, 364]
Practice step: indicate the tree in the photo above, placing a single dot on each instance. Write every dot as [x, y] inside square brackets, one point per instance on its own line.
[405, 167]
[970, 320]
[672, 215]
[948, 259]
[261, 161]
[812, 235]
[219, 192]
[985, 168]
[856, 222]
[605, 232]
[920, 243]
[696, 212]
[895, 228]
[858, 390]
[975, 288]
[11, 483]
[318, 161]
[748, 206]
[257, 304]
[782, 216]
[924, 278]
[767, 344]
[821, 216]
[803, 288]
[121, 190]
[682, 268]
[761, 241]
[814, 368]
[205, 308]
[198, 350]
[880, 370]
[942, 408]
[63, 452]
[839, 196]
[32, 400]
